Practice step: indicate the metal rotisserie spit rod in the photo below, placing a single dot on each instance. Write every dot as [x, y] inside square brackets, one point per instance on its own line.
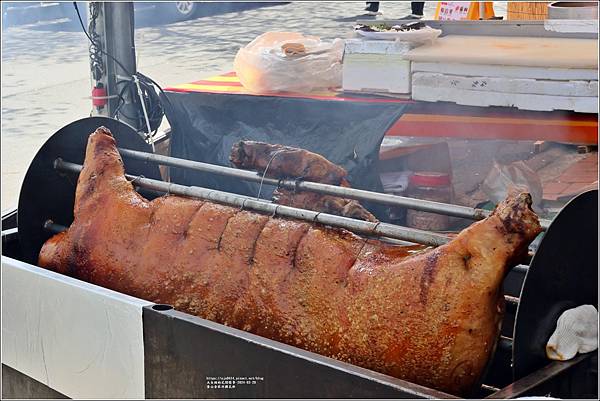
[357, 226]
[386, 199]
[511, 302]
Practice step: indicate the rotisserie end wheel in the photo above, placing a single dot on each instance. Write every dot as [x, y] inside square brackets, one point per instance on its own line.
[430, 316]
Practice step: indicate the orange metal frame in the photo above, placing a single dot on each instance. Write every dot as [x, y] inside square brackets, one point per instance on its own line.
[443, 120]
[569, 127]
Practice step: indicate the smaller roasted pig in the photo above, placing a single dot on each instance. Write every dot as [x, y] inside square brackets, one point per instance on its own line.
[322, 203]
[278, 161]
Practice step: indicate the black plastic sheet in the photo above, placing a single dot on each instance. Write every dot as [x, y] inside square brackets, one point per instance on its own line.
[348, 133]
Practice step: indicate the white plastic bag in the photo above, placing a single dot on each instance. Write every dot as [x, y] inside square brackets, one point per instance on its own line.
[262, 66]
[516, 176]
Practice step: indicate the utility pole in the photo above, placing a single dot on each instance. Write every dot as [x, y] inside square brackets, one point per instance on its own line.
[111, 27]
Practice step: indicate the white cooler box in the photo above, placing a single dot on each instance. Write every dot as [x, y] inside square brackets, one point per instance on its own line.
[376, 66]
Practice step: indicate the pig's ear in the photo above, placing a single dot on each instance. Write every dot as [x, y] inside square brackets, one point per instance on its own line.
[236, 156]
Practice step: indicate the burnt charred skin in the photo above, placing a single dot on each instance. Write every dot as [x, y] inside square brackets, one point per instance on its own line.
[428, 274]
[429, 316]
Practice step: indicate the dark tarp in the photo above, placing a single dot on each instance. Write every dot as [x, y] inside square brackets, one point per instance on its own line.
[348, 133]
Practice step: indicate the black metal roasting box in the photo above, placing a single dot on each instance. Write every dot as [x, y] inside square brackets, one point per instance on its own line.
[62, 337]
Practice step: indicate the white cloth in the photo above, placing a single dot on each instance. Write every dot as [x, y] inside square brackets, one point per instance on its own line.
[395, 181]
[576, 332]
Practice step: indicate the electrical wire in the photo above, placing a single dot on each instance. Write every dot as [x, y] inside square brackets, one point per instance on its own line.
[97, 61]
[151, 102]
[158, 86]
[148, 86]
[96, 43]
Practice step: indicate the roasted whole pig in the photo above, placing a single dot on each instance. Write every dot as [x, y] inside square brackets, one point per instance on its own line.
[430, 316]
[287, 162]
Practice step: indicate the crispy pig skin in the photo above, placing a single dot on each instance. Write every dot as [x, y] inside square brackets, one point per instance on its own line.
[323, 203]
[285, 162]
[430, 316]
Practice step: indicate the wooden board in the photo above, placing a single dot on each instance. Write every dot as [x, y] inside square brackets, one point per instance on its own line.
[512, 51]
[507, 85]
[522, 101]
[527, 10]
[566, 26]
[487, 70]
